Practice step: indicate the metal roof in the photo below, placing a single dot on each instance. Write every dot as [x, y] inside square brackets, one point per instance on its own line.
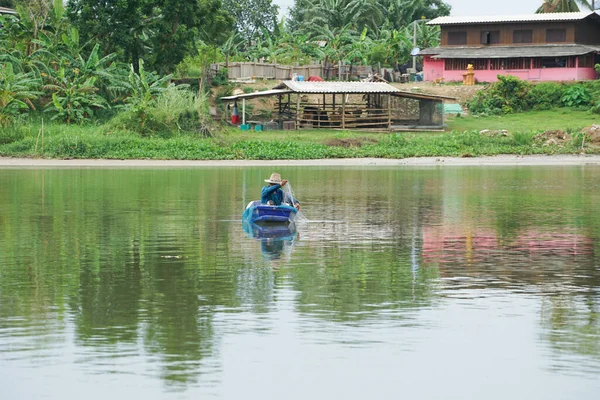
[4, 10]
[254, 95]
[549, 50]
[422, 96]
[546, 17]
[338, 87]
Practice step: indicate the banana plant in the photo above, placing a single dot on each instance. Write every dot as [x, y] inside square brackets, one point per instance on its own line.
[17, 90]
[142, 90]
[75, 84]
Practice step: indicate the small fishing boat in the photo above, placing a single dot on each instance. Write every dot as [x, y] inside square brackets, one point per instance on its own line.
[258, 213]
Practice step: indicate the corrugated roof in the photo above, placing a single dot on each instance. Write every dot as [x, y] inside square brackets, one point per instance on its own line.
[422, 96]
[339, 87]
[546, 17]
[549, 50]
[4, 10]
[272, 92]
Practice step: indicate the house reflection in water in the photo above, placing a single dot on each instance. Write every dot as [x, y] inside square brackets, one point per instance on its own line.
[530, 257]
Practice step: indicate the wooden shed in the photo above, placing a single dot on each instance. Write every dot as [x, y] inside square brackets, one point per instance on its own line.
[350, 105]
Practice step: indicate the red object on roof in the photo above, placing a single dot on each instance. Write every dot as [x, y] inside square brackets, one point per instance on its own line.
[314, 78]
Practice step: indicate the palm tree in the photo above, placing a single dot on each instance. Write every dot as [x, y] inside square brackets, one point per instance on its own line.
[556, 6]
[339, 13]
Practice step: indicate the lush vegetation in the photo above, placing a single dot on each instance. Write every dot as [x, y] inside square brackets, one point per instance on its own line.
[510, 94]
[48, 67]
[96, 80]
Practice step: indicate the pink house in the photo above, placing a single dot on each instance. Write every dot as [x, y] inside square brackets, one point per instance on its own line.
[536, 47]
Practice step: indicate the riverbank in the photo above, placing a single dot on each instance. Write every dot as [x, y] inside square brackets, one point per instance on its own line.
[551, 132]
[502, 160]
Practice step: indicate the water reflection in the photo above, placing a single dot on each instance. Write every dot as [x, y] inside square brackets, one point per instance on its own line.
[149, 276]
[275, 239]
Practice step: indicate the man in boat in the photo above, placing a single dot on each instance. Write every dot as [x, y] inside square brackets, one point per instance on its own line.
[273, 195]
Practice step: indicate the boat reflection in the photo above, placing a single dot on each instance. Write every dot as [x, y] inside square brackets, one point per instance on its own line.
[275, 239]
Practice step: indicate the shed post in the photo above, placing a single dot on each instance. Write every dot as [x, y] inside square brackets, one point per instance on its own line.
[389, 111]
[297, 110]
[244, 111]
[279, 112]
[343, 111]
[443, 114]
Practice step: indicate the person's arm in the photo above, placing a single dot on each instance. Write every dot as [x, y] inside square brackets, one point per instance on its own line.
[267, 190]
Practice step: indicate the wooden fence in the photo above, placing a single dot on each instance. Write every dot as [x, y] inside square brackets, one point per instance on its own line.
[258, 70]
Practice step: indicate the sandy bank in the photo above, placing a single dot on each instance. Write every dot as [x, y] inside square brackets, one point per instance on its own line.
[342, 162]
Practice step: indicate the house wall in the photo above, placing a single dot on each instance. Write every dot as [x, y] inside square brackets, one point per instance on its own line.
[432, 70]
[506, 32]
[587, 32]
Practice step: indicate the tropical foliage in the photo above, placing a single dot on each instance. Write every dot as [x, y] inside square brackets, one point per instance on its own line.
[555, 6]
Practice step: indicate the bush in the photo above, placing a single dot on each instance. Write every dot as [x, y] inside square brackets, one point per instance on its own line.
[221, 77]
[511, 95]
[174, 111]
[507, 95]
[576, 96]
[545, 95]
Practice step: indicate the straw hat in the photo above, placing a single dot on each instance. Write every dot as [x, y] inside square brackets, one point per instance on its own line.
[275, 178]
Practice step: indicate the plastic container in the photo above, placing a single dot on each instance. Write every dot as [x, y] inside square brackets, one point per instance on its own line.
[258, 128]
[245, 127]
[300, 78]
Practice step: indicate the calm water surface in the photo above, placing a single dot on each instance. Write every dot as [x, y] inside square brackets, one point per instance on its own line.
[433, 283]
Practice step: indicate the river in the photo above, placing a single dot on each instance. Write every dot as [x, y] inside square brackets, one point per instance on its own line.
[428, 282]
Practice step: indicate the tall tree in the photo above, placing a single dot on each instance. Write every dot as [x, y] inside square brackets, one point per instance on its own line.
[252, 16]
[160, 31]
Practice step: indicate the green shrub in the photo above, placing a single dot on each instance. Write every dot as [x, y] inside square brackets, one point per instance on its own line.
[508, 95]
[522, 139]
[221, 77]
[576, 96]
[511, 95]
[545, 95]
[174, 111]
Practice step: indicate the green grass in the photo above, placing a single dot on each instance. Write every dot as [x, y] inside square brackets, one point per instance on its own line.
[64, 141]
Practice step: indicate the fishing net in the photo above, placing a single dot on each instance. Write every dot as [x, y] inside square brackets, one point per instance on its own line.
[288, 198]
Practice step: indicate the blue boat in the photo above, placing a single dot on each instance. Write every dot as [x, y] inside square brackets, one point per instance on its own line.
[258, 213]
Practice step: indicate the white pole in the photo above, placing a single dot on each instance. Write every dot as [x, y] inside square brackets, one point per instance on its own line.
[243, 111]
[414, 45]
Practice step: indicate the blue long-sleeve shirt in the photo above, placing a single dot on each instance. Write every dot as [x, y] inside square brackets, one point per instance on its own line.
[276, 195]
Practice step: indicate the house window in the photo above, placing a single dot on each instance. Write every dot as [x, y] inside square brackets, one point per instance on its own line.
[553, 62]
[586, 61]
[456, 64]
[461, 64]
[457, 38]
[510, 63]
[490, 37]
[522, 36]
[556, 35]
